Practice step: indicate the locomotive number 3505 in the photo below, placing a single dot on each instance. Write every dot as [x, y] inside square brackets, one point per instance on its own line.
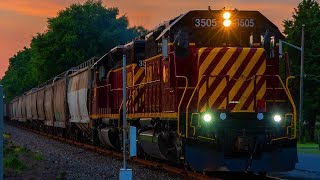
[206, 22]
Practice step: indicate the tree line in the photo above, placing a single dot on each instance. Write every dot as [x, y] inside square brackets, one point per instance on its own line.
[76, 34]
[306, 13]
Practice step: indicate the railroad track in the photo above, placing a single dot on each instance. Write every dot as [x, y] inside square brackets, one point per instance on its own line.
[119, 155]
[147, 163]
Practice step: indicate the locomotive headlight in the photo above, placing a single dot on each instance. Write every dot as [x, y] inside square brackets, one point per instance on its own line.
[227, 23]
[226, 15]
[277, 118]
[207, 117]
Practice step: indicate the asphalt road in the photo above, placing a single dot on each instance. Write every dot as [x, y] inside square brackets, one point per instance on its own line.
[308, 167]
[308, 162]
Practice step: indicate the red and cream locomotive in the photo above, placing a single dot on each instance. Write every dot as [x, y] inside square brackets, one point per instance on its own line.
[203, 89]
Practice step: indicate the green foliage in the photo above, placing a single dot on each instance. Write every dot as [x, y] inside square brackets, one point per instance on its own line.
[309, 148]
[77, 34]
[13, 162]
[307, 13]
[6, 135]
[11, 158]
[18, 77]
[18, 159]
[37, 156]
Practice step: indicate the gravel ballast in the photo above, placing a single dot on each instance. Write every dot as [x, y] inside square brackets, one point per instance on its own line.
[63, 161]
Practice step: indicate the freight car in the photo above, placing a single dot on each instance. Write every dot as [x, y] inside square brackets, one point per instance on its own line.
[203, 89]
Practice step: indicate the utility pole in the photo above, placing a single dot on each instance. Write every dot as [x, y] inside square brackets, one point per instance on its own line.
[125, 174]
[124, 113]
[301, 84]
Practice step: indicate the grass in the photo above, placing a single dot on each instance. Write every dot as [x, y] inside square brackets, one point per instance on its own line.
[309, 151]
[37, 156]
[308, 148]
[6, 135]
[16, 157]
[11, 158]
[307, 145]
[12, 162]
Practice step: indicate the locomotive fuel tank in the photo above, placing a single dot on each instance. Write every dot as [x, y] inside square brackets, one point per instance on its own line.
[109, 135]
[163, 145]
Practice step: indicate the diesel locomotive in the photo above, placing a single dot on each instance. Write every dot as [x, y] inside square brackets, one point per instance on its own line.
[205, 89]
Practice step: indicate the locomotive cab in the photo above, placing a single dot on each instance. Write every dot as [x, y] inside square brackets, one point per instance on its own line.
[107, 81]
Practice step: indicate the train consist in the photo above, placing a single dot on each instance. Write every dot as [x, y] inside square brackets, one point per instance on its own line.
[204, 90]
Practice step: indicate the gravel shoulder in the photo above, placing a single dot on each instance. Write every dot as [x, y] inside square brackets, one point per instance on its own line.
[62, 161]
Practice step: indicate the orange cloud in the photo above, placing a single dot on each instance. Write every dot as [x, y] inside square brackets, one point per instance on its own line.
[151, 13]
[31, 7]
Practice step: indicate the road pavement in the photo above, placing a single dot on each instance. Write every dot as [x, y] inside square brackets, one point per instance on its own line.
[308, 162]
[308, 167]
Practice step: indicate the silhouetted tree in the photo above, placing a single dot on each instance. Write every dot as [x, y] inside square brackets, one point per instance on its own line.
[307, 13]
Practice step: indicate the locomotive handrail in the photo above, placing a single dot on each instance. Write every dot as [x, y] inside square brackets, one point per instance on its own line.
[291, 102]
[287, 80]
[180, 103]
[287, 86]
[293, 106]
[121, 107]
[187, 108]
[103, 86]
[193, 126]
[288, 114]
[121, 89]
[144, 83]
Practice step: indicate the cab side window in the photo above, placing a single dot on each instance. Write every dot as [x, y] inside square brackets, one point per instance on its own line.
[272, 45]
[102, 73]
[181, 45]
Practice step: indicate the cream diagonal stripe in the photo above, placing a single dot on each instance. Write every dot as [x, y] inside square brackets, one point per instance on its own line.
[235, 67]
[260, 94]
[262, 90]
[208, 60]
[205, 65]
[231, 72]
[200, 51]
[216, 71]
[249, 89]
[245, 73]
[138, 74]
[222, 63]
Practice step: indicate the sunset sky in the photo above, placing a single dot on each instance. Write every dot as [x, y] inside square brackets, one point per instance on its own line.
[22, 19]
